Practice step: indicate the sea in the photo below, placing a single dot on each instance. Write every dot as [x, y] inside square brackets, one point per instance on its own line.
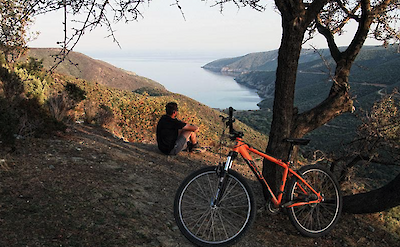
[183, 74]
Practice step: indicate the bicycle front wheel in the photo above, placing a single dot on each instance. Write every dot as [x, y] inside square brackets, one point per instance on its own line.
[206, 224]
[315, 220]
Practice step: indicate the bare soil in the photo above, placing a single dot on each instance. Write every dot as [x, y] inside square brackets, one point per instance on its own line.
[87, 188]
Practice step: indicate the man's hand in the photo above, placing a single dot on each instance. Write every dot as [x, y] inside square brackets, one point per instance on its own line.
[190, 127]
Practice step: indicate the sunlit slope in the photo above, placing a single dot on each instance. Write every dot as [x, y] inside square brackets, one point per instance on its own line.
[84, 67]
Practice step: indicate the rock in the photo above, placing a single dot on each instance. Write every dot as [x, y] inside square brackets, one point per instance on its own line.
[371, 229]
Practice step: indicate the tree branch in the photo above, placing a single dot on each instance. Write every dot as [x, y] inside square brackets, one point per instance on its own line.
[179, 7]
[334, 50]
[328, 109]
[373, 201]
[350, 14]
[339, 100]
[313, 9]
[362, 32]
[379, 161]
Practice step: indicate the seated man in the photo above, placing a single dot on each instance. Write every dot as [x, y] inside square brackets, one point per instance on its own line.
[174, 135]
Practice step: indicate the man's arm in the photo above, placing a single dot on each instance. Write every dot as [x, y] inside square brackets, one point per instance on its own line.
[190, 127]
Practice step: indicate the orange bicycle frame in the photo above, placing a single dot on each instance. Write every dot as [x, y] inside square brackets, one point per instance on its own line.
[244, 149]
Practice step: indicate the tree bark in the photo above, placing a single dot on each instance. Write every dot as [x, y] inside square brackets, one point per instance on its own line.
[296, 17]
[283, 110]
[374, 201]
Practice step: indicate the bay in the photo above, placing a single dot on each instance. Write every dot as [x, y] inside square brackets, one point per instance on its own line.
[184, 75]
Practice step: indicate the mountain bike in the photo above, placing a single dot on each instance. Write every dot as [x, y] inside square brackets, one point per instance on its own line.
[215, 206]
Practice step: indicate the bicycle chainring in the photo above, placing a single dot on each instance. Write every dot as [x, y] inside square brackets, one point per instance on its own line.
[271, 209]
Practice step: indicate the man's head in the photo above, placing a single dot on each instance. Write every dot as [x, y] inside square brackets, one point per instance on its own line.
[171, 108]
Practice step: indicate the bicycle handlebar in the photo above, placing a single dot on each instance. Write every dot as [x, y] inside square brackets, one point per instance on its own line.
[229, 123]
[230, 120]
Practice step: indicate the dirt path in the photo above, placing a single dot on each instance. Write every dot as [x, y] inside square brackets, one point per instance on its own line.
[86, 188]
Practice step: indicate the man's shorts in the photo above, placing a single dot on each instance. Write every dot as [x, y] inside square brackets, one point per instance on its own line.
[180, 144]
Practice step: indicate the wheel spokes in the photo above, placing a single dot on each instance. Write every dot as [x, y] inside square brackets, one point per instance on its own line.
[207, 221]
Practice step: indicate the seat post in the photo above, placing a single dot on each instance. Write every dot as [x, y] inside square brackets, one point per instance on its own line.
[293, 142]
[290, 152]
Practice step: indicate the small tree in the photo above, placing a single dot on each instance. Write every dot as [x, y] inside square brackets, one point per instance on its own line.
[15, 17]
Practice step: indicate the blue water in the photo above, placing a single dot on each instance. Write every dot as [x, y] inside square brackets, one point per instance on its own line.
[184, 75]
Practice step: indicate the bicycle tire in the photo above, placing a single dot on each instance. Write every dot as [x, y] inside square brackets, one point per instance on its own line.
[315, 220]
[207, 225]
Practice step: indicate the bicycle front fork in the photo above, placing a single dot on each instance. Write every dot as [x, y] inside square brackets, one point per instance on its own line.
[222, 172]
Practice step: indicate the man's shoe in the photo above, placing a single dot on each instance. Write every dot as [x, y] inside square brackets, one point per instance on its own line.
[191, 146]
[199, 150]
[195, 148]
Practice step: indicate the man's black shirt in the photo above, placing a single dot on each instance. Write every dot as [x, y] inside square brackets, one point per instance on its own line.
[167, 133]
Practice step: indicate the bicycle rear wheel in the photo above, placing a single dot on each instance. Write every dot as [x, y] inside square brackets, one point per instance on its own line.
[205, 224]
[315, 220]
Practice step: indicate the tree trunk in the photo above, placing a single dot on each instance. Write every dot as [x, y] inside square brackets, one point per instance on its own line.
[283, 110]
[296, 17]
[374, 201]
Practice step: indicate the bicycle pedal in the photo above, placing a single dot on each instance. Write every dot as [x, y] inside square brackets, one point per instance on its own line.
[271, 209]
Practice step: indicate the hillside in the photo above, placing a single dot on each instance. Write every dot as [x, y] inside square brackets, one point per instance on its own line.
[91, 69]
[374, 72]
[84, 187]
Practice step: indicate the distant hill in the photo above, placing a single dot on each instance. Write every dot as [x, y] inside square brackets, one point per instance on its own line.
[93, 70]
[259, 61]
[375, 71]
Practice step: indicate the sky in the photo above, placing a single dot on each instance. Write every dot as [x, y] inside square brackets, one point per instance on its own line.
[204, 30]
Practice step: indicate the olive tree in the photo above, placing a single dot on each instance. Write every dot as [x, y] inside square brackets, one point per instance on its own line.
[327, 17]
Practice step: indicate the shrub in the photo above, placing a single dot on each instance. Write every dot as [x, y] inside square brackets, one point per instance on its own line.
[34, 119]
[34, 87]
[75, 93]
[105, 115]
[91, 110]
[59, 105]
[8, 123]
[12, 87]
[151, 91]
[33, 66]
